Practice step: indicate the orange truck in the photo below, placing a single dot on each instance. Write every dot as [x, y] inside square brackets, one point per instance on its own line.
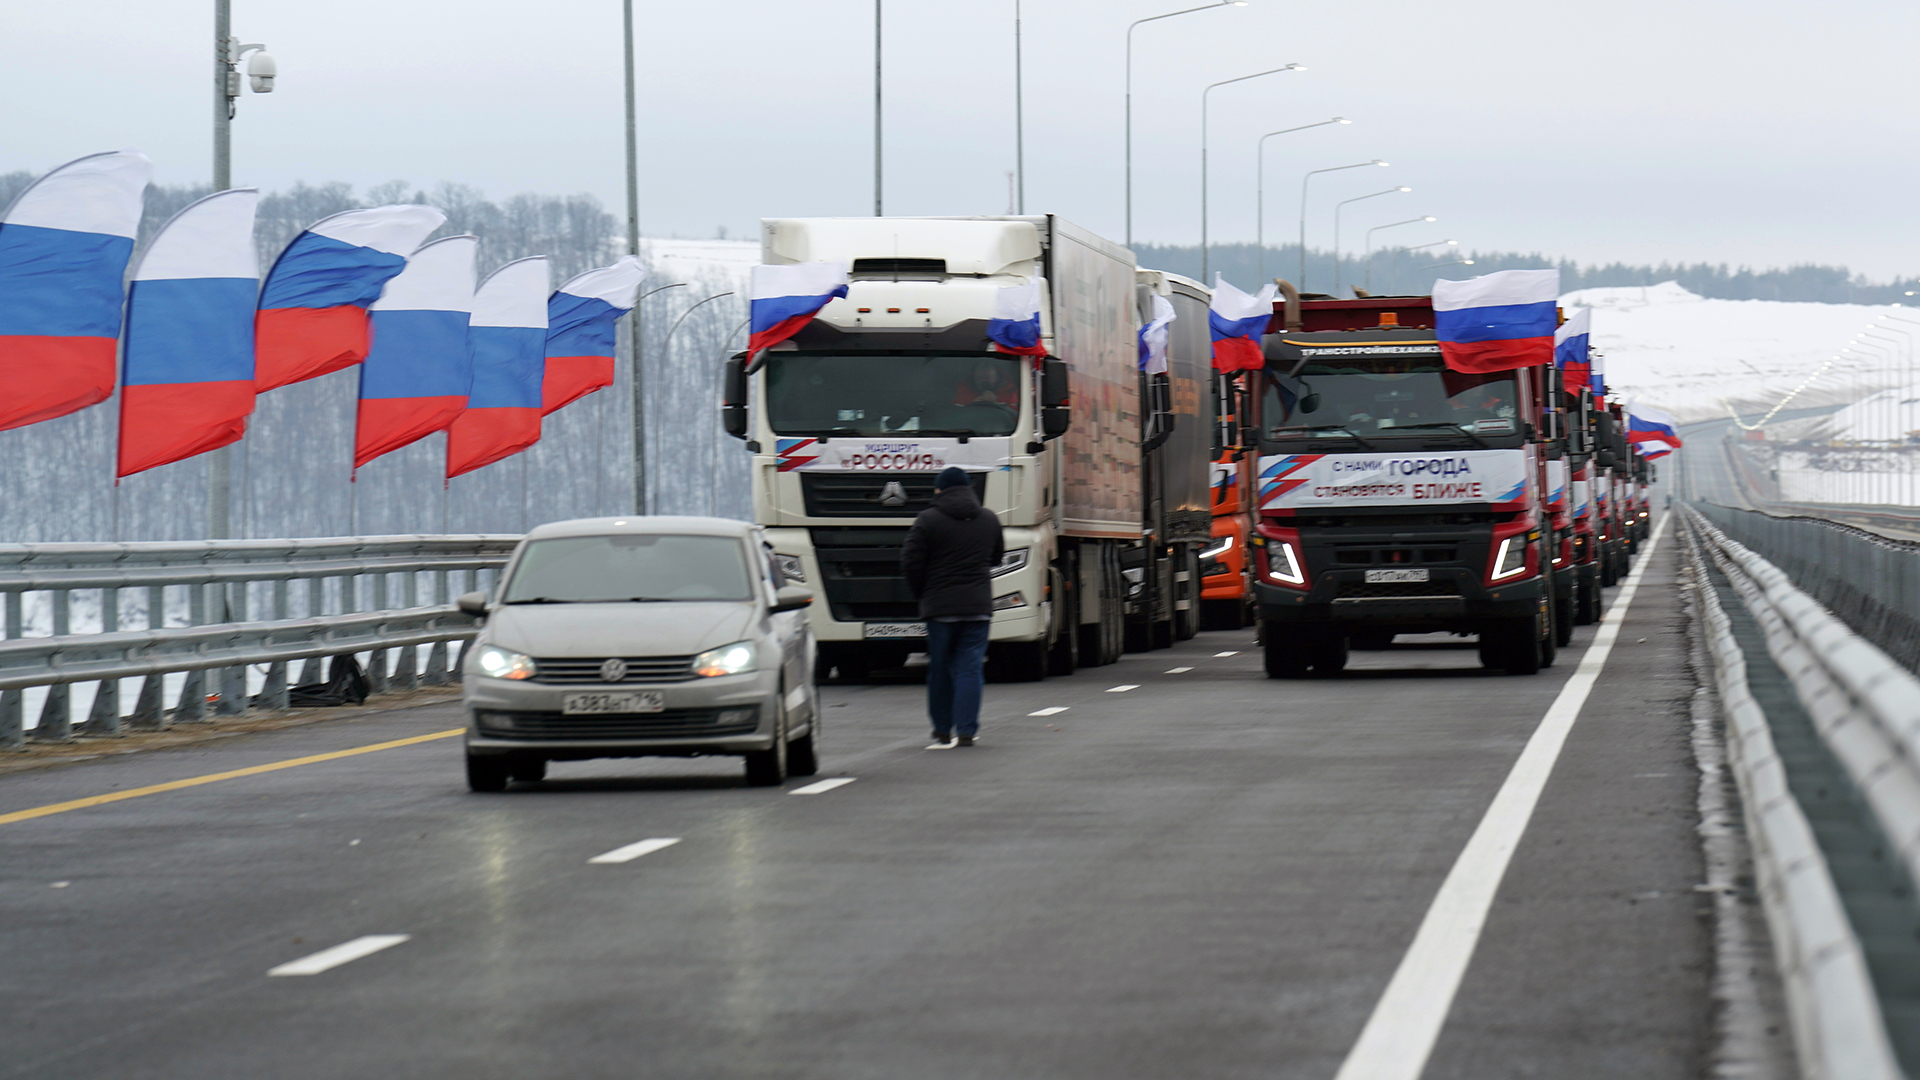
[1226, 594]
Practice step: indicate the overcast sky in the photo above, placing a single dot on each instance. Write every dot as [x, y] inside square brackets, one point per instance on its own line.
[1762, 131]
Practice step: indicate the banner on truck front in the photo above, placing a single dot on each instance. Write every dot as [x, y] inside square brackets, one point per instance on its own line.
[1321, 481]
[888, 455]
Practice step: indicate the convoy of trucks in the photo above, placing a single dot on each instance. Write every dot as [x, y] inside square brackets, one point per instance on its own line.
[1353, 489]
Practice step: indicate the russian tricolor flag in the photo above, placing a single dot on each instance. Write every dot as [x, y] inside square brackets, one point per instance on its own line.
[786, 298]
[1648, 424]
[1015, 324]
[581, 321]
[1155, 336]
[187, 366]
[1653, 450]
[64, 246]
[1572, 347]
[508, 338]
[1598, 383]
[313, 308]
[418, 371]
[1497, 322]
[1237, 322]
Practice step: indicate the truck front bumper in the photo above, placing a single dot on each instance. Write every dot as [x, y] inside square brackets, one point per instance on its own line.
[1461, 605]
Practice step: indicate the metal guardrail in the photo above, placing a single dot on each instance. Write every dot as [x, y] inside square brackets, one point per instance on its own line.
[1867, 710]
[239, 605]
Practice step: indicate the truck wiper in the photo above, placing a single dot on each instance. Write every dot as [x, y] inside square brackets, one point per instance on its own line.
[1461, 428]
[961, 433]
[1309, 428]
[544, 600]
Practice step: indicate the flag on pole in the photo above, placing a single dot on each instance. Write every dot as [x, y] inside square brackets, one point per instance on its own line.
[581, 320]
[1015, 325]
[418, 372]
[1237, 322]
[186, 384]
[786, 298]
[1154, 337]
[1572, 345]
[1648, 424]
[1654, 449]
[1497, 322]
[313, 308]
[508, 337]
[64, 246]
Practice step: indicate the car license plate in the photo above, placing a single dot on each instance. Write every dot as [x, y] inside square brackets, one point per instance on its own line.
[635, 701]
[1375, 577]
[896, 630]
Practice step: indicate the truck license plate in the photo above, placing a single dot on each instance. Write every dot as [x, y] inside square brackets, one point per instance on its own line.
[635, 701]
[895, 630]
[1375, 577]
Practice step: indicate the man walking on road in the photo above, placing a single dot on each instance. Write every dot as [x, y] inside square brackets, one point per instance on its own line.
[947, 558]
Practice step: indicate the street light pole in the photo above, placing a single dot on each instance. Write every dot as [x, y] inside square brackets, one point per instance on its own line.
[1019, 120]
[876, 111]
[1203, 152]
[1304, 181]
[1130, 29]
[636, 339]
[1367, 259]
[1260, 187]
[1337, 207]
[640, 501]
[1456, 262]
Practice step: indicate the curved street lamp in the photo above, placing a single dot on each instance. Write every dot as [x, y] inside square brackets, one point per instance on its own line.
[1337, 207]
[1303, 208]
[1260, 186]
[1367, 259]
[1130, 29]
[1203, 151]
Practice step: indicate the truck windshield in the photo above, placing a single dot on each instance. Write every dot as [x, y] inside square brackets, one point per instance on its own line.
[1387, 398]
[627, 567]
[875, 394]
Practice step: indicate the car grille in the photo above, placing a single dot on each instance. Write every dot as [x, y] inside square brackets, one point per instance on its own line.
[572, 671]
[1366, 589]
[672, 724]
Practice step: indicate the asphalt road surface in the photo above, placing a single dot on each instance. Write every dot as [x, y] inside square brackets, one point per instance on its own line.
[1186, 870]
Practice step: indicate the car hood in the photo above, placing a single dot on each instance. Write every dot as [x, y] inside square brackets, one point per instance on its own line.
[589, 630]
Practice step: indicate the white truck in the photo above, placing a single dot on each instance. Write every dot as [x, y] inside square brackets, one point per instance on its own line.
[850, 420]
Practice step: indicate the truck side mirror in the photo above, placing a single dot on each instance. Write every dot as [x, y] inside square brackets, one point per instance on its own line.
[733, 408]
[1055, 420]
[1056, 393]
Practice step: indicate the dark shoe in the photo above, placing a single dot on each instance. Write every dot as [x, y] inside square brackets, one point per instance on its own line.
[966, 740]
[941, 738]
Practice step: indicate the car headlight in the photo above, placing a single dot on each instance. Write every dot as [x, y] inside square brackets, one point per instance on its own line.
[499, 663]
[1220, 547]
[1011, 561]
[791, 568]
[725, 660]
[1512, 557]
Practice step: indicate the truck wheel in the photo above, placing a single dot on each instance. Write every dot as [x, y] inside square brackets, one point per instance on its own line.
[1222, 614]
[1609, 577]
[1163, 634]
[1285, 651]
[1017, 661]
[1187, 623]
[1513, 647]
[1328, 654]
[1586, 603]
[1065, 656]
[1549, 637]
[1371, 640]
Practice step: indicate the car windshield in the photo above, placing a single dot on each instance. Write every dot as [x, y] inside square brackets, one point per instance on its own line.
[874, 394]
[1382, 398]
[629, 567]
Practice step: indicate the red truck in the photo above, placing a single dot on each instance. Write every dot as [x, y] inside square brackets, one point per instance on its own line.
[1395, 495]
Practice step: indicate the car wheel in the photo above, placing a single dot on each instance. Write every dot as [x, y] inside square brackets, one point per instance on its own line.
[768, 768]
[528, 770]
[486, 773]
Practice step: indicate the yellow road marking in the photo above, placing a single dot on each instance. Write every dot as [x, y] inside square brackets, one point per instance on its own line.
[210, 778]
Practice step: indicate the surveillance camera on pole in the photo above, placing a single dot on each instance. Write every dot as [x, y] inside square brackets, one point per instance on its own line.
[261, 70]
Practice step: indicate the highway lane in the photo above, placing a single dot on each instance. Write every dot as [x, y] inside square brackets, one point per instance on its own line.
[1211, 874]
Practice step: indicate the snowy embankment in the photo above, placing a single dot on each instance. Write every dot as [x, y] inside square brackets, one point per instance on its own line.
[1670, 348]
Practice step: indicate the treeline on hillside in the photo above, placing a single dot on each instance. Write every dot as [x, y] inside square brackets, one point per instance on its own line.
[1404, 271]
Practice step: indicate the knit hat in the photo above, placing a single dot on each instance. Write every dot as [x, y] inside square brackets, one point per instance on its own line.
[952, 476]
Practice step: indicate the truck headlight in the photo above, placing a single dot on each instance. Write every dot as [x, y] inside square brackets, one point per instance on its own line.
[499, 663]
[1511, 559]
[1220, 547]
[1009, 601]
[1283, 563]
[791, 568]
[1011, 561]
[725, 660]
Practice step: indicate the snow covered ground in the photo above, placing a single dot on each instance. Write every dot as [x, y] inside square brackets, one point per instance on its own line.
[1670, 348]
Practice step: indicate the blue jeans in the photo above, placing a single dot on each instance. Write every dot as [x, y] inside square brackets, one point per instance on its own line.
[956, 655]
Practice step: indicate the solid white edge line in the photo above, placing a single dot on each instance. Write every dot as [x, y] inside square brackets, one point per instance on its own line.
[1051, 710]
[1406, 1022]
[635, 850]
[1123, 688]
[344, 953]
[823, 786]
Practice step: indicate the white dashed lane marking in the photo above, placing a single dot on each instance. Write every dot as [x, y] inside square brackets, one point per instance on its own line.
[328, 959]
[1228, 653]
[1050, 710]
[1123, 688]
[823, 786]
[634, 851]
[1178, 670]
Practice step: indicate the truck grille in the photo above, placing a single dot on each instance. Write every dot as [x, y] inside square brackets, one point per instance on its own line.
[1351, 590]
[672, 724]
[859, 494]
[1372, 556]
[572, 671]
[860, 574]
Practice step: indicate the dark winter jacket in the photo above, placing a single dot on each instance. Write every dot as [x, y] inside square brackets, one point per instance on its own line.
[953, 546]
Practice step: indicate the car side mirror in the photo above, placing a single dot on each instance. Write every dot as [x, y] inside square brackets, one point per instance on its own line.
[790, 598]
[473, 603]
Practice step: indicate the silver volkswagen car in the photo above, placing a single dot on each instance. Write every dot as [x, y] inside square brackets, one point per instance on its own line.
[643, 636]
